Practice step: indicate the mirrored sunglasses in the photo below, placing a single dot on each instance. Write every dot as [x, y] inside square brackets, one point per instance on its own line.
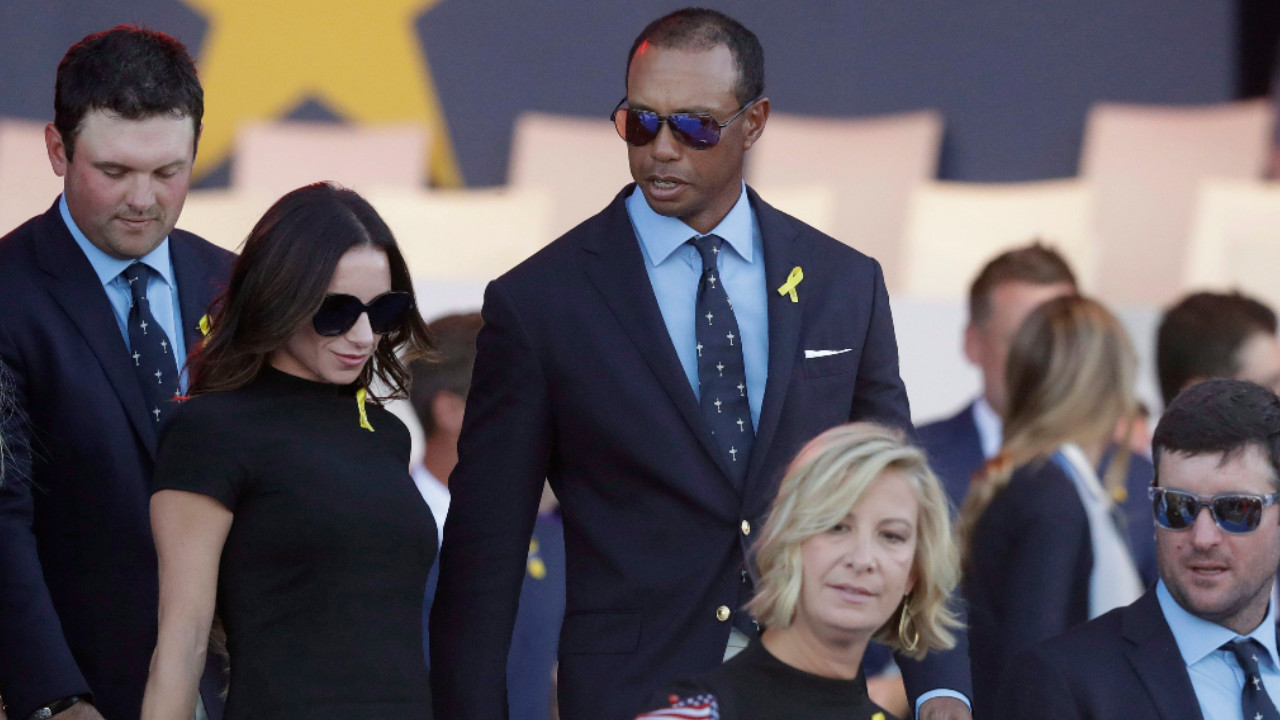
[697, 130]
[1236, 513]
[339, 312]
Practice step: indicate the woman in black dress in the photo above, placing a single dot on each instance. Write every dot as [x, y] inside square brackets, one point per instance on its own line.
[857, 547]
[283, 501]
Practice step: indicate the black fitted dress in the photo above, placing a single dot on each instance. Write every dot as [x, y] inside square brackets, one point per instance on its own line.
[321, 581]
[755, 685]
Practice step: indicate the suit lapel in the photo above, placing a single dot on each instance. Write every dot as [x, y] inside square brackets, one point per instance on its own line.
[76, 288]
[781, 255]
[616, 267]
[193, 278]
[1158, 662]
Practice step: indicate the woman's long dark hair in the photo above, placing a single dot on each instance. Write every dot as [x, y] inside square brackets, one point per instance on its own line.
[279, 281]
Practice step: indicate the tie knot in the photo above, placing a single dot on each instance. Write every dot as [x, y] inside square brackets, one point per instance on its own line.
[137, 275]
[708, 247]
[1247, 652]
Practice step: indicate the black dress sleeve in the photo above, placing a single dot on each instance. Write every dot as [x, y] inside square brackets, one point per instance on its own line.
[200, 451]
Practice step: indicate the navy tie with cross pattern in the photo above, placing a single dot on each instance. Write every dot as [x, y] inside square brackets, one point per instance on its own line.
[722, 377]
[1254, 700]
[152, 352]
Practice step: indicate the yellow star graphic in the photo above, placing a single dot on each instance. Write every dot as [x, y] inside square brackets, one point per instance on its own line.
[362, 60]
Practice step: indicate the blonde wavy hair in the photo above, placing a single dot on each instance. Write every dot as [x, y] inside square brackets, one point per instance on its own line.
[822, 484]
[1070, 378]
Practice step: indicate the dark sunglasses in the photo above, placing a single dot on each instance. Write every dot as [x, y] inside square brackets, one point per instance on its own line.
[338, 313]
[1236, 513]
[697, 130]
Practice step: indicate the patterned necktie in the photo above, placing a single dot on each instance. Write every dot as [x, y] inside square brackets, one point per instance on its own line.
[722, 377]
[152, 354]
[1254, 700]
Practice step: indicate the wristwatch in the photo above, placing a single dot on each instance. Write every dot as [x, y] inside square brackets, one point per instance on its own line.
[54, 708]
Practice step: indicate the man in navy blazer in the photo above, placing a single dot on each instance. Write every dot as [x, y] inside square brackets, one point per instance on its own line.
[78, 584]
[1003, 294]
[587, 374]
[1202, 643]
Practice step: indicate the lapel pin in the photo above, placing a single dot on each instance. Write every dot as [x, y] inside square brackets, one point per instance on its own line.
[204, 325]
[361, 394]
[789, 287]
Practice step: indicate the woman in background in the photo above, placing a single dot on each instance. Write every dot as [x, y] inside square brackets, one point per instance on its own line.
[1042, 545]
[282, 494]
[857, 547]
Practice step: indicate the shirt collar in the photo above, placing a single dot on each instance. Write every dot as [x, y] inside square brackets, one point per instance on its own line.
[661, 235]
[109, 268]
[990, 427]
[1197, 638]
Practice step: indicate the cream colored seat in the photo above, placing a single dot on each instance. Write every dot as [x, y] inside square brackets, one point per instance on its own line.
[872, 163]
[1147, 163]
[276, 157]
[1235, 239]
[27, 183]
[224, 217]
[465, 236]
[580, 161]
[953, 229]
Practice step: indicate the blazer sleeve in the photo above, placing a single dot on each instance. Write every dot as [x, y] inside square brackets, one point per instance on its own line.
[36, 665]
[879, 393]
[503, 457]
[1034, 689]
[1038, 568]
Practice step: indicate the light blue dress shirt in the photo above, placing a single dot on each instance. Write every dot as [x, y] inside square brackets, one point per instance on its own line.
[1215, 675]
[162, 288]
[675, 267]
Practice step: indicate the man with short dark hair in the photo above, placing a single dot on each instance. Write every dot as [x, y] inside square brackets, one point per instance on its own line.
[660, 364]
[1217, 335]
[101, 298]
[1003, 294]
[1205, 636]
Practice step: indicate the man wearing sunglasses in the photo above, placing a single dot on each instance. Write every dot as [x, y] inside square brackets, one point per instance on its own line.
[660, 364]
[1202, 643]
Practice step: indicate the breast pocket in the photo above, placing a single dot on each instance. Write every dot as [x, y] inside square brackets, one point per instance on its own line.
[834, 361]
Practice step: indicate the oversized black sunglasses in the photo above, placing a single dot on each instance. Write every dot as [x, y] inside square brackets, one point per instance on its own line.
[1236, 513]
[697, 130]
[339, 312]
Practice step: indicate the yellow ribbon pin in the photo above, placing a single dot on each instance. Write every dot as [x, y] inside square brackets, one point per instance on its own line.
[789, 288]
[204, 325]
[361, 394]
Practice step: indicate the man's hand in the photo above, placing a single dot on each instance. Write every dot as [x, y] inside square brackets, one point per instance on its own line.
[83, 710]
[944, 708]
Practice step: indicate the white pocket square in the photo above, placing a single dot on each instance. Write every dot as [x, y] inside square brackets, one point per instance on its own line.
[809, 354]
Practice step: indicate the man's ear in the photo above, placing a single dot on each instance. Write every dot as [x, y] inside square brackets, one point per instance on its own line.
[974, 344]
[755, 118]
[57, 150]
[448, 408]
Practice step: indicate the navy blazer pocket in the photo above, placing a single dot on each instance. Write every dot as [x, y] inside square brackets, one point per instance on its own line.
[600, 633]
[834, 364]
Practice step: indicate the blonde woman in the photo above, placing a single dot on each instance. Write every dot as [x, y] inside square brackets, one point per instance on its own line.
[857, 548]
[1043, 551]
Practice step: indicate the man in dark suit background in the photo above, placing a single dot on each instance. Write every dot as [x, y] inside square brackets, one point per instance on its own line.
[1003, 294]
[78, 584]
[660, 364]
[1202, 643]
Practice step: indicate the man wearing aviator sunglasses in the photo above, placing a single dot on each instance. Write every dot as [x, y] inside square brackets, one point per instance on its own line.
[659, 364]
[1205, 636]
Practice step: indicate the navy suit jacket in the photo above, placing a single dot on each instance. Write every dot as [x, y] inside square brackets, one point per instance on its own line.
[576, 380]
[1124, 665]
[955, 453]
[78, 584]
